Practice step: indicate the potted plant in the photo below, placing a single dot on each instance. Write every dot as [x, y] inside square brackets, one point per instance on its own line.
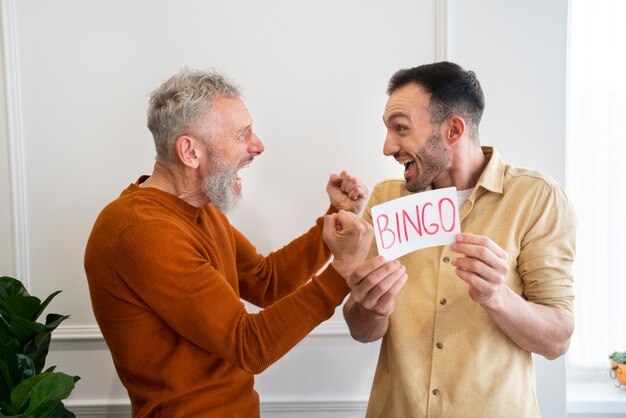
[618, 367]
[26, 389]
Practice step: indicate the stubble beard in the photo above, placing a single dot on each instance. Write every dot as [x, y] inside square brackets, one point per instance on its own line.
[435, 159]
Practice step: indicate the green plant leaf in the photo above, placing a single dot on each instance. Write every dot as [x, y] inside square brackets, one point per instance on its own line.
[618, 357]
[5, 408]
[5, 333]
[48, 392]
[25, 307]
[54, 320]
[10, 372]
[45, 303]
[25, 330]
[25, 392]
[61, 412]
[37, 349]
[11, 287]
[22, 393]
[17, 416]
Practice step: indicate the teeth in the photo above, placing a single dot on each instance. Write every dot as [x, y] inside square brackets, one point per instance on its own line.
[405, 161]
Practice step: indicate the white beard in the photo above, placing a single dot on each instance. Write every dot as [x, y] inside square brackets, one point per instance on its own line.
[218, 187]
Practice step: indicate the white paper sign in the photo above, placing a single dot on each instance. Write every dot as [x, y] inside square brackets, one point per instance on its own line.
[421, 220]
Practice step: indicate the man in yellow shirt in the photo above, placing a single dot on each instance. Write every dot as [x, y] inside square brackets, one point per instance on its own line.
[458, 336]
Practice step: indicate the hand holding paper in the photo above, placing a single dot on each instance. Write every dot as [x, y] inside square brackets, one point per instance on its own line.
[484, 266]
[375, 284]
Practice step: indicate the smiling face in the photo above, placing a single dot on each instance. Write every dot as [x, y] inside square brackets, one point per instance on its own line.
[232, 147]
[412, 139]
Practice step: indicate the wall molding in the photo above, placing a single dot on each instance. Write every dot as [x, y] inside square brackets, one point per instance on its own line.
[442, 30]
[16, 141]
[81, 333]
[121, 407]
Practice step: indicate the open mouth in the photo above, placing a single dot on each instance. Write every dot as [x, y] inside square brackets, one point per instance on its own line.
[408, 163]
[245, 164]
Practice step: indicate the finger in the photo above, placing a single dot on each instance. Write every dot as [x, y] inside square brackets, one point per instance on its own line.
[482, 241]
[365, 269]
[347, 183]
[479, 268]
[482, 262]
[362, 283]
[386, 303]
[334, 180]
[479, 285]
[481, 253]
[357, 191]
[372, 297]
[345, 218]
[395, 288]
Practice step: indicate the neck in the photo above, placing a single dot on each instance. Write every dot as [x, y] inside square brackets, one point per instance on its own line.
[466, 167]
[179, 181]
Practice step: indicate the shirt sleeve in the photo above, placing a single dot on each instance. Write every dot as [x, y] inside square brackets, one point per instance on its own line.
[547, 252]
[177, 284]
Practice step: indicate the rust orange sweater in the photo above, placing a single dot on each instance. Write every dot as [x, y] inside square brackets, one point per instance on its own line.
[166, 279]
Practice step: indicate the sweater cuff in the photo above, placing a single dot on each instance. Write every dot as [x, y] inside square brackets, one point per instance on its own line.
[332, 284]
[320, 221]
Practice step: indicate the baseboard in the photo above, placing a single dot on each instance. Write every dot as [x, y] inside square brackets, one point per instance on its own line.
[78, 333]
[321, 408]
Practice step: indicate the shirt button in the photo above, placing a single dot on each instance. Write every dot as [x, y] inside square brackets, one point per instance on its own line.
[435, 392]
[443, 301]
[446, 260]
[439, 345]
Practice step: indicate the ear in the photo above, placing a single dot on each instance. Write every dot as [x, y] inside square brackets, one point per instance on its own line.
[187, 150]
[454, 129]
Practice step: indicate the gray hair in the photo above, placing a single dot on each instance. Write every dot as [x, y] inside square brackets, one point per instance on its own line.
[180, 105]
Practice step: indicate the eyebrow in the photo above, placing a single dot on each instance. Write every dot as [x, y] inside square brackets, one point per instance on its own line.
[395, 115]
[245, 128]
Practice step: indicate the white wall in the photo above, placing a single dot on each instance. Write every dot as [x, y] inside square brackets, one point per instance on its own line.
[313, 75]
[518, 49]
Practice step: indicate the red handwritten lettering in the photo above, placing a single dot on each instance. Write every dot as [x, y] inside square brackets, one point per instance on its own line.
[385, 229]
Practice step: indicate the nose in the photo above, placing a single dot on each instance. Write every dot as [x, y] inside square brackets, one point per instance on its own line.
[256, 145]
[390, 147]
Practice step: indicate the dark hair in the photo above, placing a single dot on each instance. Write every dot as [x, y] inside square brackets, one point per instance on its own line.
[453, 91]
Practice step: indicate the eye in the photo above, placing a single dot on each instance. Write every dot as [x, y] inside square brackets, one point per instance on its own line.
[401, 128]
[244, 135]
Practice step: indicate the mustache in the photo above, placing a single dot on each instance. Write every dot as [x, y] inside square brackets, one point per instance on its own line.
[244, 163]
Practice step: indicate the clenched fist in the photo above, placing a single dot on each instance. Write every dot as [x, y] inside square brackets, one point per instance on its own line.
[349, 239]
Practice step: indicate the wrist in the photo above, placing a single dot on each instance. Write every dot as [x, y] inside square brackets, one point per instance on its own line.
[370, 314]
[343, 267]
[498, 301]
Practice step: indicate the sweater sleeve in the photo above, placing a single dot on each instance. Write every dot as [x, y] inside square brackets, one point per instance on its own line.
[173, 279]
[263, 280]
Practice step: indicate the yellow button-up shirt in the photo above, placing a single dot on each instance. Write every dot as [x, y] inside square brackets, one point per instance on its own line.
[442, 355]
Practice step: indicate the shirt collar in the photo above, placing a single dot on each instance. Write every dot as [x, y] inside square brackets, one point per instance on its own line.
[492, 178]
